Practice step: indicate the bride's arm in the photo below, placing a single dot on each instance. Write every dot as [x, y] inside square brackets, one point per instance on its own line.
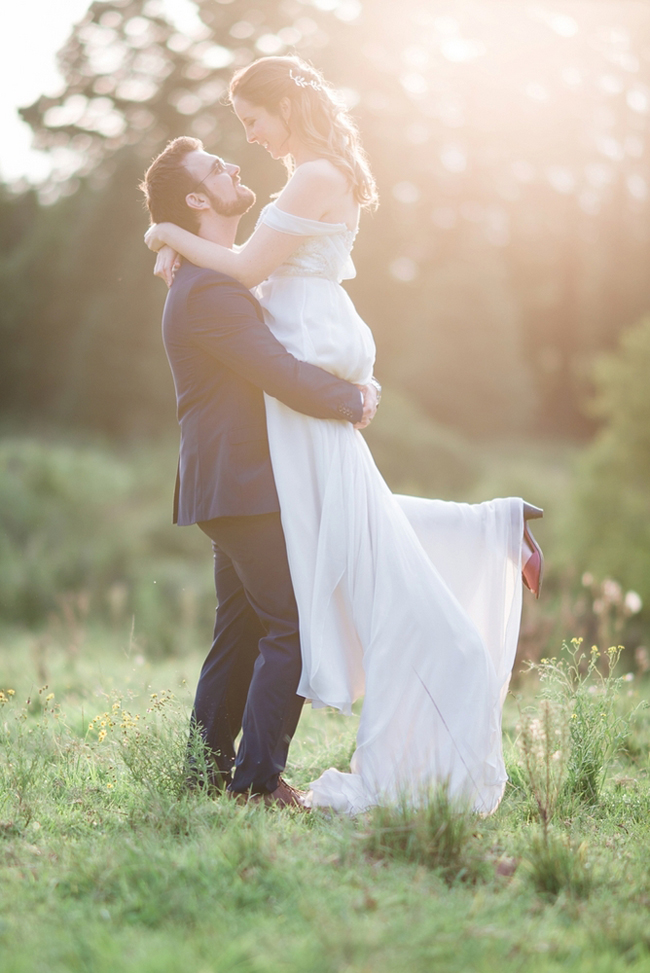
[308, 194]
[263, 252]
[167, 263]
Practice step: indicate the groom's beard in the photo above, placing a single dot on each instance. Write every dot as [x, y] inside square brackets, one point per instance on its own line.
[245, 199]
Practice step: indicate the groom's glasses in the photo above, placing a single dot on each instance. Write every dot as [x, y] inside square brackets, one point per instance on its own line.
[217, 167]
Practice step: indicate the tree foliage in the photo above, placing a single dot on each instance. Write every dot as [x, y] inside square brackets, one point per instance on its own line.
[612, 518]
[509, 144]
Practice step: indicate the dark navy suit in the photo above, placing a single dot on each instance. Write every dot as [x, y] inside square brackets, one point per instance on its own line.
[223, 357]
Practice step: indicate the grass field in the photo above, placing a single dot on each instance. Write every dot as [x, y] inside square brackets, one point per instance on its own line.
[107, 863]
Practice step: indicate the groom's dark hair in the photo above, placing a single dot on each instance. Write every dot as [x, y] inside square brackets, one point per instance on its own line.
[167, 182]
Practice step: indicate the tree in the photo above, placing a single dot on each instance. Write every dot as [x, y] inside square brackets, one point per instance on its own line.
[612, 516]
[468, 372]
[507, 140]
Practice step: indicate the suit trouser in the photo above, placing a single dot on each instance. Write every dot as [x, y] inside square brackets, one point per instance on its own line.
[251, 674]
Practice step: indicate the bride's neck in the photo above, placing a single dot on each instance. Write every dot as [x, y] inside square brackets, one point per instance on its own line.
[303, 153]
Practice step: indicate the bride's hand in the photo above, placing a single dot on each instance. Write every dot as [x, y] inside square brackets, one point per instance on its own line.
[154, 238]
[167, 263]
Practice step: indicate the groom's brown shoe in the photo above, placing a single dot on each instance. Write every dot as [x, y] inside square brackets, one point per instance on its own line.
[286, 796]
[283, 796]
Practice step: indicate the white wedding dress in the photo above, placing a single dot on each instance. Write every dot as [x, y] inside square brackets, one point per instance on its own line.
[414, 604]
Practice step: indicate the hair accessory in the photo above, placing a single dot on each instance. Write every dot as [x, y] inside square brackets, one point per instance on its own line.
[303, 82]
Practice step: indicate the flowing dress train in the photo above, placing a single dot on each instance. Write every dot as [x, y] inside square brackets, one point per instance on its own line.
[412, 603]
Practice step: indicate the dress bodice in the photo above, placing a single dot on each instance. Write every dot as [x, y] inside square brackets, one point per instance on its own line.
[304, 304]
[325, 251]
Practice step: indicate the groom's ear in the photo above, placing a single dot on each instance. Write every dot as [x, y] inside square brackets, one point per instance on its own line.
[197, 201]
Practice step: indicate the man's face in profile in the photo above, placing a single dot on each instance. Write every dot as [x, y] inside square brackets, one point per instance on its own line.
[219, 182]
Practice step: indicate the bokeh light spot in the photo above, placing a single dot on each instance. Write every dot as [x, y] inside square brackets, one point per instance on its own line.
[348, 10]
[414, 83]
[453, 158]
[598, 174]
[185, 102]
[608, 146]
[459, 51]
[241, 30]
[404, 269]
[179, 43]
[637, 186]
[611, 84]
[269, 44]
[215, 56]
[290, 36]
[561, 179]
[537, 91]
[136, 89]
[69, 113]
[638, 99]
[349, 96]
[406, 192]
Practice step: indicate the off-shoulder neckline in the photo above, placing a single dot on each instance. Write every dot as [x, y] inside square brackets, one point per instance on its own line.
[306, 219]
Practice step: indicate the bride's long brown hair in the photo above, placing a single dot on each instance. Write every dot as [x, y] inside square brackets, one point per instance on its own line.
[318, 116]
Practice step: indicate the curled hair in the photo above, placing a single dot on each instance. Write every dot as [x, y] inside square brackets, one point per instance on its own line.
[167, 182]
[319, 117]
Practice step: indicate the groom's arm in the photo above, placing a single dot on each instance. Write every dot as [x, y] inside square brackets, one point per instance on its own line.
[223, 319]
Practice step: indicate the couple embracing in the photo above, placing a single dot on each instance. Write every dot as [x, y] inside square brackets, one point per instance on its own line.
[329, 586]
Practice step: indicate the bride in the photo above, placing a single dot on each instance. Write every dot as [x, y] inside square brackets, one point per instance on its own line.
[412, 603]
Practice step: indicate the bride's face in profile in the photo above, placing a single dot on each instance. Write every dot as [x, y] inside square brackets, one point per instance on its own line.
[261, 126]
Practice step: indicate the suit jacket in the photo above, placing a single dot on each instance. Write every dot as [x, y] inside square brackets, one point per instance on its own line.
[222, 358]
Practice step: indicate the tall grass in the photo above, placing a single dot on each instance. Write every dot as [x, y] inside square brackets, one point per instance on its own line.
[85, 533]
[108, 860]
[436, 833]
[556, 864]
[569, 747]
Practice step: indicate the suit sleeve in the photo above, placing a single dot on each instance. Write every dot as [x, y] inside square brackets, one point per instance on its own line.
[224, 322]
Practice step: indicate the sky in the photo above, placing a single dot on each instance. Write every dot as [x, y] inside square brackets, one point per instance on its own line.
[33, 31]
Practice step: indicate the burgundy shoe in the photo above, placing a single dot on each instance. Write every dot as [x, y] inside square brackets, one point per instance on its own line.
[532, 571]
[531, 512]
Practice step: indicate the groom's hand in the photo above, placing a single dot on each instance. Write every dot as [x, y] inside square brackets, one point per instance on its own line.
[370, 402]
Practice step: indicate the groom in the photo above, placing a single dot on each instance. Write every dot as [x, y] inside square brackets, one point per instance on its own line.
[223, 357]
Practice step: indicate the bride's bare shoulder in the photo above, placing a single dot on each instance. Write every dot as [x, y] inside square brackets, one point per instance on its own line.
[313, 189]
[320, 173]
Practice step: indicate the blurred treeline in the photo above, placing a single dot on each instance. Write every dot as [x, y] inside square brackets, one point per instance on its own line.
[510, 251]
[511, 246]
